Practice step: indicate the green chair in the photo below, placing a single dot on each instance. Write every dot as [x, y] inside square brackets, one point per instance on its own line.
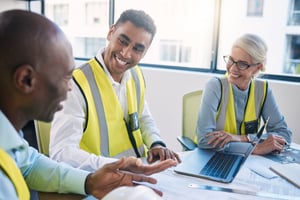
[42, 130]
[190, 108]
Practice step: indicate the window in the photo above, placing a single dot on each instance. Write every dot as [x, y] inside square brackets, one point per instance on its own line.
[60, 13]
[191, 34]
[184, 30]
[174, 51]
[87, 23]
[295, 13]
[234, 22]
[87, 47]
[255, 8]
[292, 64]
[96, 13]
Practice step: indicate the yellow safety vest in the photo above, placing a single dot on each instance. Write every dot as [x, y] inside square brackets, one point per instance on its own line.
[226, 117]
[14, 174]
[106, 132]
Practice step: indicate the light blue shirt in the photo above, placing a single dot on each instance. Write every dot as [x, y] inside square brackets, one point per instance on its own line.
[209, 105]
[39, 172]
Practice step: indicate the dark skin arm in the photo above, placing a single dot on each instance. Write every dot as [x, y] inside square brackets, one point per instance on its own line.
[124, 172]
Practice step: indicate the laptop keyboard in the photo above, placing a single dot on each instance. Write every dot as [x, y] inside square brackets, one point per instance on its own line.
[220, 164]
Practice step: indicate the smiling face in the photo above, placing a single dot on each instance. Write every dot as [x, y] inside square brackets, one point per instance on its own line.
[53, 81]
[36, 64]
[128, 44]
[241, 78]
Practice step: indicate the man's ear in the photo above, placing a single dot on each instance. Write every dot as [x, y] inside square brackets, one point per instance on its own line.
[24, 78]
[110, 32]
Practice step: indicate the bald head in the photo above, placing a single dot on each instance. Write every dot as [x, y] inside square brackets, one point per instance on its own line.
[36, 64]
[25, 37]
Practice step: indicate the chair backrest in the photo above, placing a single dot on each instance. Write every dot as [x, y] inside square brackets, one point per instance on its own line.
[190, 109]
[42, 130]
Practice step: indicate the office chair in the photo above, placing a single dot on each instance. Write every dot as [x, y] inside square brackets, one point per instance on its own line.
[42, 131]
[190, 108]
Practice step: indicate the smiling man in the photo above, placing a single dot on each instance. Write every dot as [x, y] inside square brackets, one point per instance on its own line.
[36, 66]
[106, 114]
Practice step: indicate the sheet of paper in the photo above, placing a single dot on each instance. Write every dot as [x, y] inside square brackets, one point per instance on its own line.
[290, 172]
[261, 166]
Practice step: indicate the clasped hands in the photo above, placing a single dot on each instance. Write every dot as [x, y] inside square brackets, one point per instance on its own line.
[218, 139]
[273, 143]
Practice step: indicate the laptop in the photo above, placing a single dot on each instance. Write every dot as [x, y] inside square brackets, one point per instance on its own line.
[222, 165]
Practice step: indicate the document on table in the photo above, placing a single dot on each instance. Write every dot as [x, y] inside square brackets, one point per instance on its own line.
[290, 172]
[288, 155]
[249, 177]
[260, 166]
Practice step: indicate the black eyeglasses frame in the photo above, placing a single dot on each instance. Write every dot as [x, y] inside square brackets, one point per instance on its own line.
[238, 63]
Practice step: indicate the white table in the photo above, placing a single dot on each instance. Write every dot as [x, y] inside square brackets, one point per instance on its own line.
[175, 186]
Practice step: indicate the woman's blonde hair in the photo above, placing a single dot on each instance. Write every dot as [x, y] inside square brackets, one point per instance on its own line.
[255, 46]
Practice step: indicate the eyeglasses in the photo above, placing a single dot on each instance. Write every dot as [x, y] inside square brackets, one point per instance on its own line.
[242, 65]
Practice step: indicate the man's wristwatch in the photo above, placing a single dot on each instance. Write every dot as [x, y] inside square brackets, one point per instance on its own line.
[248, 138]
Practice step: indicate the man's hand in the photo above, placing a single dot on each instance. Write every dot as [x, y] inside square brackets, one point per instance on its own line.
[135, 165]
[161, 153]
[113, 175]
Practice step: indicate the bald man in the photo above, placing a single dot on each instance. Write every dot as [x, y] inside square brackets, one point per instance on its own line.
[36, 65]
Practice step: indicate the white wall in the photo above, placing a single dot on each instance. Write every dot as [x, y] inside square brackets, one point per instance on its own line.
[165, 89]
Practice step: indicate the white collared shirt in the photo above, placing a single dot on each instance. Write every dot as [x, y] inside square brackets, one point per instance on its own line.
[42, 173]
[67, 127]
[120, 88]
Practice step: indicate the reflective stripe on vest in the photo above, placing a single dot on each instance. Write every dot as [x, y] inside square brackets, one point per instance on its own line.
[226, 117]
[105, 132]
[14, 174]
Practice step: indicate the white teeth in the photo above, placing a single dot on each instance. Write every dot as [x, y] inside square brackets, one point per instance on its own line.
[120, 61]
[235, 75]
